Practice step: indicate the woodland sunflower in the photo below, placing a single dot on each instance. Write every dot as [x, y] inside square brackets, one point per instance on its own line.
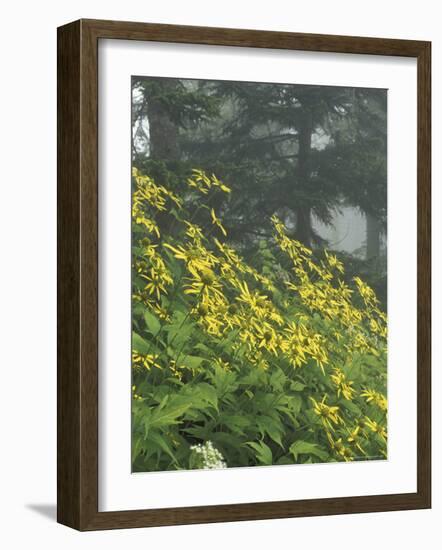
[376, 428]
[196, 261]
[267, 338]
[328, 414]
[157, 281]
[343, 386]
[204, 283]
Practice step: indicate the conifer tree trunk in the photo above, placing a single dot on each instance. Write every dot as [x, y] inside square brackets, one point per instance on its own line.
[304, 229]
[373, 237]
[163, 131]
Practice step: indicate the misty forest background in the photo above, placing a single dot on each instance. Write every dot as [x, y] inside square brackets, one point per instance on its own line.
[314, 155]
[258, 220]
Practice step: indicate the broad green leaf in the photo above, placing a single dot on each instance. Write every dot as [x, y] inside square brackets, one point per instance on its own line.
[254, 378]
[263, 452]
[295, 403]
[160, 440]
[305, 447]
[152, 322]
[169, 412]
[192, 361]
[234, 422]
[137, 443]
[224, 381]
[223, 440]
[177, 334]
[277, 380]
[350, 406]
[200, 395]
[208, 394]
[139, 344]
[297, 386]
[273, 428]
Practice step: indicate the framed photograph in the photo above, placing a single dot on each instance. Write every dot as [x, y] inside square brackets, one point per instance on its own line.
[243, 275]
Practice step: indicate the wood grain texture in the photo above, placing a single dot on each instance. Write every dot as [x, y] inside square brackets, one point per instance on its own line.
[424, 274]
[77, 167]
[68, 276]
[253, 38]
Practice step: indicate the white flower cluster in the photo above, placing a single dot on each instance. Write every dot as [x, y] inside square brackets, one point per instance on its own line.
[208, 458]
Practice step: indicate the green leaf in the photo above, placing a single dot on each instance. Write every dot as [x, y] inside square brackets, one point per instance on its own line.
[305, 447]
[263, 452]
[160, 441]
[178, 332]
[271, 427]
[223, 440]
[168, 412]
[234, 422]
[152, 322]
[208, 394]
[255, 377]
[137, 444]
[224, 381]
[277, 380]
[202, 347]
[295, 403]
[353, 370]
[139, 344]
[297, 386]
[201, 395]
[193, 361]
[350, 406]
[200, 432]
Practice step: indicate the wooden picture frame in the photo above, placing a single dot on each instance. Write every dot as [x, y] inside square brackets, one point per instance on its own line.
[78, 274]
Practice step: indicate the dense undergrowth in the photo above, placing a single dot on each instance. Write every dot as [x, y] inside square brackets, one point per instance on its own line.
[233, 365]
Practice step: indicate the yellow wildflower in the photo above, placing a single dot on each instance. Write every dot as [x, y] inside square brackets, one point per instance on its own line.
[376, 428]
[354, 438]
[145, 360]
[342, 385]
[193, 256]
[204, 283]
[329, 414]
[372, 396]
[216, 221]
[158, 279]
[266, 338]
[334, 262]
